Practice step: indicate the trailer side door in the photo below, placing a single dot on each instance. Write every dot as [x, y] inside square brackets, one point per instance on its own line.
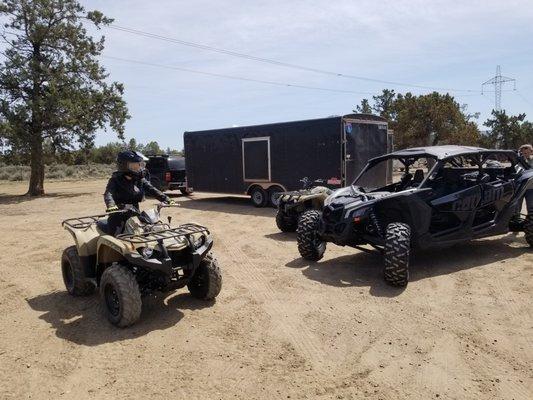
[256, 159]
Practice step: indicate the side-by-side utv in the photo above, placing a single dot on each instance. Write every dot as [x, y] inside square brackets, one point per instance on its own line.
[148, 256]
[440, 196]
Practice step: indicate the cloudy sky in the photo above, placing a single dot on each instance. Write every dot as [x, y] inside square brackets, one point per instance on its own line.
[446, 44]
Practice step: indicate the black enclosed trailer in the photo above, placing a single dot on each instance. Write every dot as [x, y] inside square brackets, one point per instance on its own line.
[262, 160]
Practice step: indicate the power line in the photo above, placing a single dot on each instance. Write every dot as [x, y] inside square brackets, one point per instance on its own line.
[274, 83]
[523, 97]
[275, 62]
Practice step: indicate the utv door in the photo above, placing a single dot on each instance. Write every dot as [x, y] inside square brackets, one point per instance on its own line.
[453, 213]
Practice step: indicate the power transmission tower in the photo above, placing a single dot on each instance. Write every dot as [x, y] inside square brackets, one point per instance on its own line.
[498, 82]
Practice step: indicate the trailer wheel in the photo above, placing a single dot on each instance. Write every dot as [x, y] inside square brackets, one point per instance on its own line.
[273, 195]
[259, 196]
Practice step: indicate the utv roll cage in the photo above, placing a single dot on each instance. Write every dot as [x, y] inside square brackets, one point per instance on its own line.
[442, 154]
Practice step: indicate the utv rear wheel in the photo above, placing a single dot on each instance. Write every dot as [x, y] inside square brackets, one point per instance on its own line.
[120, 296]
[310, 245]
[73, 273]
[259, 196]
[186, 192]
[396, 254]
[207, 280]
[286, 223]
[528, 229]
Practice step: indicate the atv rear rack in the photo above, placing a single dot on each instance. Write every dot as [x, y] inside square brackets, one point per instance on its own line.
[184, 230]
[82, 222]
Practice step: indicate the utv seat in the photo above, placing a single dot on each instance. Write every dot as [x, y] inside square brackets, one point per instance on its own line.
[417, 178]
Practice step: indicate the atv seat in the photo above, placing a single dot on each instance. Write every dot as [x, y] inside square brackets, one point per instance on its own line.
[102, 225]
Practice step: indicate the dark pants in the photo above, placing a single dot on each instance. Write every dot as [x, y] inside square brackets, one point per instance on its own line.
[529, 201]
[115, 223]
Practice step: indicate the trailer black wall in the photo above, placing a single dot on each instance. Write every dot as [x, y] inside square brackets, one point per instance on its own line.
[278, 156]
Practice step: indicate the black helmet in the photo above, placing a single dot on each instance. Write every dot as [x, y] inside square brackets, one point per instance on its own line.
[131, 163]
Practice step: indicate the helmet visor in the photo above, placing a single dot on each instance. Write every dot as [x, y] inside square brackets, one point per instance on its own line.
[136, 166]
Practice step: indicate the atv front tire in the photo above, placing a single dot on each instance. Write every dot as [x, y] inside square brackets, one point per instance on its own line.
[286, 223]
[310, 245]
[528, 230]
[207, 280]
[396, 254]
[73, 273]
[120, 296]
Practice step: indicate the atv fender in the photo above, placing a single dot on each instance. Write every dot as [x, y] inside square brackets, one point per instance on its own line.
[111, 249]
[86, 240]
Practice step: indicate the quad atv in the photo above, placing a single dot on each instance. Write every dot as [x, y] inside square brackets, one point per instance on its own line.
[293, 204]
[148, 256]
[441, 195]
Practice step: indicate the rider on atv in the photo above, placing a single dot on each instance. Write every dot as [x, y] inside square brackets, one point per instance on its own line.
[128, 185]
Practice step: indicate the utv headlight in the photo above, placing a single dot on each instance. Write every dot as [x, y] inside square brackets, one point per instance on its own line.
[146, 252]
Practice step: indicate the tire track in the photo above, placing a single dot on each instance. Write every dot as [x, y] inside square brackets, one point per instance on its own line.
[259, 286]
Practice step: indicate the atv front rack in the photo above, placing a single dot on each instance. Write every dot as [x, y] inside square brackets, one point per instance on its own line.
[184, 230]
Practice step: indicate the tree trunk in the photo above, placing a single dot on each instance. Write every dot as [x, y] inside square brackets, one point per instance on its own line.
[36, 187]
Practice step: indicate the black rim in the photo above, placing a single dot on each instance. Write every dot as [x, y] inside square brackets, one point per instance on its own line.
[111, 299]
[68, 276]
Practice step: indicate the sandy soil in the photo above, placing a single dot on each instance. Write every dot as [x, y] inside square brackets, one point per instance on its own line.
[281, 327]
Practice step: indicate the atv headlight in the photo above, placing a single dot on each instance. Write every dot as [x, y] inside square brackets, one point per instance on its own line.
[199, 242]
[146, 252]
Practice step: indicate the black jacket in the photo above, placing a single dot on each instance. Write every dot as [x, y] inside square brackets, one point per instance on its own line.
[121, 191]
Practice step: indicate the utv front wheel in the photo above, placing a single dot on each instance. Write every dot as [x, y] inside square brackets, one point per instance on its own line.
[207, 280]
[310, 245]
[528, 230]
[396, 254]
[286, 223]
[120, 296]
[73, 274]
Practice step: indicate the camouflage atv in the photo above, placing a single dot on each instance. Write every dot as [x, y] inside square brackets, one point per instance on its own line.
[292, 204]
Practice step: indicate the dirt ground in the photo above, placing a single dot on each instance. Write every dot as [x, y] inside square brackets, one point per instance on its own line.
[281, 328]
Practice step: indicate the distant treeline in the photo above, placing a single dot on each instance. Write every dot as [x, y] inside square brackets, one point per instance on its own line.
[106, 154]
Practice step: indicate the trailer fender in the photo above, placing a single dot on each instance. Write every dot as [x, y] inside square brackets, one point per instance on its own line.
[264, 185]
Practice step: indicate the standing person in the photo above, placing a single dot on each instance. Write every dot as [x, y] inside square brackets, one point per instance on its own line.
[526, 152]
[128, 185]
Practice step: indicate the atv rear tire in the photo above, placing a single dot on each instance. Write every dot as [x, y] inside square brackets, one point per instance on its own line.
[207, 280]
[310, 245]
[186, 192]
[396, 254]
[73, 273]
[120, 296]
[528, 230]
[286, 223]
